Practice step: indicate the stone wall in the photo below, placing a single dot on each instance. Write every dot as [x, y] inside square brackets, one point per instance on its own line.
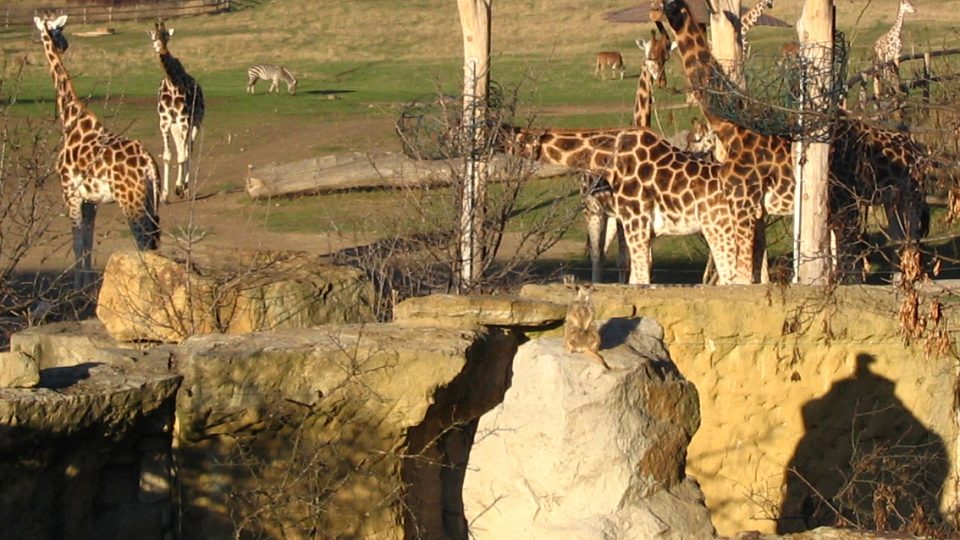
[796, 379]
[88, 455]
[353, 430]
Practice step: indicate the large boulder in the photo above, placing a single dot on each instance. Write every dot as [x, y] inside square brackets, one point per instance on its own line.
[168, 296]
[354, 430]
[575, 451]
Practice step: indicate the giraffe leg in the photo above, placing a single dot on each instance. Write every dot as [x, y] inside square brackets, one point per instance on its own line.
[83, 244]
[639, 237]
[180, 133]
[594, 217]
[723, 247]
[167, 157]
[623, 259]
[595, 241]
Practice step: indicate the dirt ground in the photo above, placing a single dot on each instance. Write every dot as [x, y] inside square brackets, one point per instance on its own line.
[221, 209]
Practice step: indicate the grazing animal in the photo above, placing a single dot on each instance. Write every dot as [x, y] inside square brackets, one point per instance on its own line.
[609, 59]
[598, 200]
[274, 74]
[886, 52]
[657, 188]
[580, 333]
[180, 107]
[97, 166]
[867, 163]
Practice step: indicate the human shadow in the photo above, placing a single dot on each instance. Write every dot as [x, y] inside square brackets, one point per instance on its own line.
[864, 461]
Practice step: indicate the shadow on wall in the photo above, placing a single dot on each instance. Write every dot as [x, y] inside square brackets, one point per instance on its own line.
[863, 461]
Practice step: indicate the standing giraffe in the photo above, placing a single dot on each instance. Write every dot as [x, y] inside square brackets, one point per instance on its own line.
[748, 20]
[96, 166]
[657, 189]
[180, 108]
[886, 51]
[866, 163]
[598, 208]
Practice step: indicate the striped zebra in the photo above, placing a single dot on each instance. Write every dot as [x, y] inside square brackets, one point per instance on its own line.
[272, 73]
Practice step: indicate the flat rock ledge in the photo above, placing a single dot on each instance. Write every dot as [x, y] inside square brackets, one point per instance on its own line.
[76, 398]
[471, 310]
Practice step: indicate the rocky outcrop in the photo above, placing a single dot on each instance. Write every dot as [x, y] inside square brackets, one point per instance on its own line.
[575, 451]
[86, 455]
[72, 343]
[799, 387]
[354, 430]
[501, 310]
[18, 370]
[169, 296]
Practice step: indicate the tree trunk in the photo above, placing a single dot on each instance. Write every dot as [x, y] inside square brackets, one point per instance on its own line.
[475, 23]
[725, 38]
[812, 152]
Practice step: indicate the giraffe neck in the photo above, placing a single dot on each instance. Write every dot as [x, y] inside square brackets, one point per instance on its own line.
[643, 105]
[174, 69]
[699, 64]
[69, 106]
[897, 27]
[591, 149]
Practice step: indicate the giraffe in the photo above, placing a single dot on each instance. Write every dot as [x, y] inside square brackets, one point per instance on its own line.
[96, 166]
[598, 200]
[657, 189]
[758, 169]
[748, 20]
[886, 51]
[180, 108]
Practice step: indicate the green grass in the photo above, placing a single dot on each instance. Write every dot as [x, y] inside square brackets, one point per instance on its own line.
[353, 67]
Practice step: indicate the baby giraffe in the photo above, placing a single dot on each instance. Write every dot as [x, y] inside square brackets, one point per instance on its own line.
[580, 333]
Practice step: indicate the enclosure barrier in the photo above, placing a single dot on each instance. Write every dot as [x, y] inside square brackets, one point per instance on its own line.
[18, 15]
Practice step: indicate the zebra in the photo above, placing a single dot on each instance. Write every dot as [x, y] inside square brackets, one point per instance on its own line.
[272, 73]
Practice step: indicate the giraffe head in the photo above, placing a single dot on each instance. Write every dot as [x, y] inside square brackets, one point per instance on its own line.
[656, 52]
[160, 37]
[51, 31]
[906, 6]
[670, 10]
[700, 138]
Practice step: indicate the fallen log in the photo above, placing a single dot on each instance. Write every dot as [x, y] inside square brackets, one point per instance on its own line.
[370, 171]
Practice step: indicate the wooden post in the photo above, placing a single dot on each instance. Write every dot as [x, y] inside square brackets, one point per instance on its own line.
[475, 23]
[812, 151]
[725, 37]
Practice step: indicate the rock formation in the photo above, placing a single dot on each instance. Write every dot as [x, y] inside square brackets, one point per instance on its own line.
[577, 452]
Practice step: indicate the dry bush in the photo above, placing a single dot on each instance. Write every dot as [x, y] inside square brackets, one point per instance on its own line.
[29, 202]
[419, 253]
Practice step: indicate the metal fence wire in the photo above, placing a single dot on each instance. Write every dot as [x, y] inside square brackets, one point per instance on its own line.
[431, 126]
[772, 99]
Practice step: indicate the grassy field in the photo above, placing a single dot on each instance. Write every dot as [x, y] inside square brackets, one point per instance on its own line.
[359, 61]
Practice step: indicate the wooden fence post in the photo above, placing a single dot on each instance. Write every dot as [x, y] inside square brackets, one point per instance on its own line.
[475, 23]
[812, 150]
